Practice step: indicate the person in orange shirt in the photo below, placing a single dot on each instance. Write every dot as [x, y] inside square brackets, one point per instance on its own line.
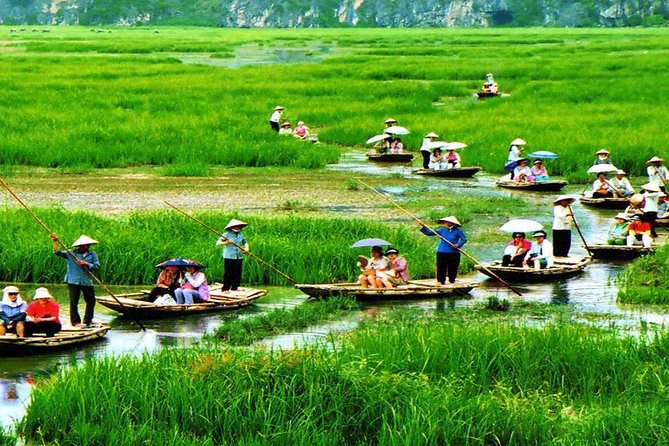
[42, 315]
[639, 233]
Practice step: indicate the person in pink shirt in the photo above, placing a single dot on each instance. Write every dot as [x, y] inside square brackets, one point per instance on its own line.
[397, 272]
[42, 315]
[516, 249]
[193, 289]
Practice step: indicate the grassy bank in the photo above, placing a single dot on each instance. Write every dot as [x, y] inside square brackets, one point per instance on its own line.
[645, 280]
[77, 98]
[398, 379]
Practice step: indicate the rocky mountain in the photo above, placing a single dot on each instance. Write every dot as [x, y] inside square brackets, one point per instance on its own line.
[337, 13]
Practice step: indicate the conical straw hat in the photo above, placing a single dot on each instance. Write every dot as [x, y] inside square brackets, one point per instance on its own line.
[390, 120]
[567, 198]
[278, 107]
[84, 240]
[652, 187]
[602, 152]
[450, 219]
[655, 159]
[234, 222]
[518, 142]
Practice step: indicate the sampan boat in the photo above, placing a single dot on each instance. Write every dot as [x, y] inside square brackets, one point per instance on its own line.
[390, 157]
[563, 267]
[138, 306]
[618, 252]
[604, 203]
[11, 345]
[459, 172]
[487, 94]
[414, 289]
[545, 186]
[662, 222]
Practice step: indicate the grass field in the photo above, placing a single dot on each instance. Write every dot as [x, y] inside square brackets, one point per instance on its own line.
[645, 280]
[76, 98]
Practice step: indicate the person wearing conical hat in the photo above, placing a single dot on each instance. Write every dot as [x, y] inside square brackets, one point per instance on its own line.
[657, 172]
[80, 261]
[448, 254]
[235, 246]
[389, 123]
[275, 119]
[562, 220]
[490, 86]
[425, 149]
[12, 312]
[42, 315]
[651, 198]
[515, 154]
[285, 129]
[603, 157]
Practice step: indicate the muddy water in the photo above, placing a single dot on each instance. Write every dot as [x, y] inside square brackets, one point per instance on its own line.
[258, 55]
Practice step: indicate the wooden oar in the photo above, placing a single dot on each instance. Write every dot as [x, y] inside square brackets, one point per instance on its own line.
[578, 228]
[66, 248]
[441, 237]
[215, 231]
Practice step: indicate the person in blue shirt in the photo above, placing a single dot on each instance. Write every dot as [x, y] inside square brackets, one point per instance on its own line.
[232, 240]
[77, 277]
[448, 254]
[12, 312]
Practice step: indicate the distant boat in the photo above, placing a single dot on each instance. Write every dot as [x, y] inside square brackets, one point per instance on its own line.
[563, 267]
[551, 185]
[605, 203]
[415, 289]
[459, 172]
[487, 94]
[390, 157]
[662, 222]
[39, 343]
[618, 252]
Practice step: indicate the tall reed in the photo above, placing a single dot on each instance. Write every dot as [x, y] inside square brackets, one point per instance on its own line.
[645, 280]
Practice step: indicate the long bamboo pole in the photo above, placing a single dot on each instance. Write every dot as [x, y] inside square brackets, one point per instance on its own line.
[578, 228]
[441, 237]
[66, 249]
[215, 231]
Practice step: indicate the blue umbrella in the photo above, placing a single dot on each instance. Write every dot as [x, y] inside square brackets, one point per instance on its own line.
[366, 242]
[545, 154]
[180, 263]
[510, 166]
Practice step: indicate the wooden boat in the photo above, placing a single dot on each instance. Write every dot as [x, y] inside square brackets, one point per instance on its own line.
[662, 222]
[605, 203]
[487, 94]
[563, 267]
[390, 157]
[415, 289]
[604, 251]
[138, 306]
[460, 172]
[11, 345]
[552, 185]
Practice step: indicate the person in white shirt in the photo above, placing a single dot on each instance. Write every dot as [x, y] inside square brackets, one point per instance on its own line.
[621, 185]
[425, 150]
[515, 153]
[657, 172]
[490, 86]
[540, 255]
[651, 197]
[275, 119]
[562, 220]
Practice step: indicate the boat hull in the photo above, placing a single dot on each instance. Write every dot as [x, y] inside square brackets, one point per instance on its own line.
[390, 157]
[487, 94]
[564, 267]
[618, 252]
[11, 345]
[540, 186]
[462, 172]
[604, 203]
[415, 289]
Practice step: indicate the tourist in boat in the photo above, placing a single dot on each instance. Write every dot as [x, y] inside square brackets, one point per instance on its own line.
[663, 207]
[639, 233]
[301, 131]
[389, 123]
[425, 149]
[81, 262]
[514, 253]
[603, 157]
[522, 173]
[235, 246]
[194, 288]
[637, 202]
[539, 171]
[451, 160]
[397, 272]
[396, 146]
[168, 281]
[42, 315]
[515, 155]
[651, 198]
[490, 86]
[12, 312]
[540, 255]
[285, 129]
[275, 119]
[619, 230]
[622, 188]
[657, 172]
[436, 160]
[601, 188]
[377, 262]
[562, 220]
[448, 250]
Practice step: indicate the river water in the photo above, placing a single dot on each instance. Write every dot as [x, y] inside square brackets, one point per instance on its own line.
[591, 293]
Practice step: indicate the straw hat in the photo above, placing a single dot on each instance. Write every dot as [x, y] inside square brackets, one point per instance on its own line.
[392, 251]
[300, 122]
[518, 142]
[522, 160]
[620, 172]
[539, 234]
[84, 240]
[42, 293]
[622, 216]
[489, 74]
[10, 289]
[537, 161]
[602, 152]
[650, 187]
[662, 195]
[655, 160]
[450, 219]
[390, 121]
[432, 135]
[278, 107]
[636, 199]
[286, 124]
[234, 222]
[567, 198]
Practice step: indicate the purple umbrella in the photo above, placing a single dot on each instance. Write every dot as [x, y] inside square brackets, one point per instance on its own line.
[366, 242]
[180, 263]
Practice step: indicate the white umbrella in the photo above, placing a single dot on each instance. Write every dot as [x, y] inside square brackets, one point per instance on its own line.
[377, 138]
[437, 144]
[599, 168]
[397, 130]
[521, 225]
[455, 145]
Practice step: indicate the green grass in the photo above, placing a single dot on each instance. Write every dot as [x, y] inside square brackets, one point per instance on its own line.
[645, 280]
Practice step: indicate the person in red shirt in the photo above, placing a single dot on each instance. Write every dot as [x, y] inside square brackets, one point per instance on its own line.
[639, 232]
[42, 314]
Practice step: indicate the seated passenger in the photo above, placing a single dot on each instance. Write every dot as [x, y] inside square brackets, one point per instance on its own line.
[376, 263]
[514, 253]
[619, 230]
[12, 312]
[397, 272]
[637, 203]
[540, 255]
[639, 233]
[166, 284]
[490, 86]
[539, 172]
[194, 287]
[621, 185]
[301, 131]
[396, 146]
[451, 160]
[522, 173]
[42, 315]
[601, 188]
[663, 207]
[436, 160]
[285, 129]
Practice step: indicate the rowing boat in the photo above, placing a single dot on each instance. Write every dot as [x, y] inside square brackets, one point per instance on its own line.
[662, 222]
[11, 345]
[604, 203]
[138, 306]
[618, 252]
[390, 157]
[458, 172]
[487, 94]
[564, 266]
[551, 185]
[414, 289]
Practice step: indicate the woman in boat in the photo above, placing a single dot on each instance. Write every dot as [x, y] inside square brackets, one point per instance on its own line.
[194, 287]
[12, 312]
[539, 171]
[515, 250]
[425, 148]
[540, 255]
[562, 220]
[490, 86]
[168, 281]
[285, 129]
[657, 172]
[436, 160]
[42, 315]
[301, 131]
[651, 198]
[603, 157]
[235, 246]
[515, 154]
[452, 159]
[663, 207]
[637, 202]
[275, 119]
[377, 262]
[80, 262]
[601, 188]
[622, 188]
[448, 250]
[522, 173]
[396, 146]
[397, 272]
[639, 233]
[619, 230]
[389, 123]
